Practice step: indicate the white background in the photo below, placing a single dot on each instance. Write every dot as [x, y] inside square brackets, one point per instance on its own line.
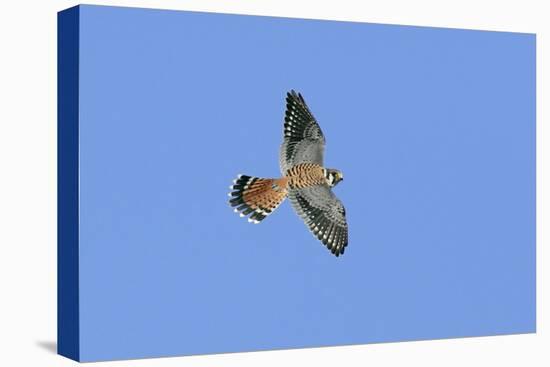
[28, 182]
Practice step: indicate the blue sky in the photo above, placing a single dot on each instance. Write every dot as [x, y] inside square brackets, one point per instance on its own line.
[434, 130]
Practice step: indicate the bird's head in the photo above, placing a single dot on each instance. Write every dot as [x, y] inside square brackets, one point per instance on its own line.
[333, 176]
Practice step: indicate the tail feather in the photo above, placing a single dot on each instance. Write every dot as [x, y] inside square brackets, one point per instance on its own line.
[256, 196]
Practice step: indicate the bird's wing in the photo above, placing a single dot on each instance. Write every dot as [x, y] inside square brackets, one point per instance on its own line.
[303, 139]
[324, 214]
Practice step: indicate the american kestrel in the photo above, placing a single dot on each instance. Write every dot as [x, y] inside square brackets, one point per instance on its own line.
[305, 181]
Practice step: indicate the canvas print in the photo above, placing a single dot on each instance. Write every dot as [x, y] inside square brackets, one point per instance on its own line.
[168, 121]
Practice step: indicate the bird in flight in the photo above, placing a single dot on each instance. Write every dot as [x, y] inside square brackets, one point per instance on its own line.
[305, 181]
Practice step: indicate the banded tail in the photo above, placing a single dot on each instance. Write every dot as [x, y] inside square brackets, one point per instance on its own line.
[256, 196]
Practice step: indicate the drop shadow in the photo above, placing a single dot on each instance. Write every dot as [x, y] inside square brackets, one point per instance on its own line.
[48, 345]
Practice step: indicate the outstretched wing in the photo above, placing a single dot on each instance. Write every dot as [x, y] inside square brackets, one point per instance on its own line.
[324, 214]
[303, 139]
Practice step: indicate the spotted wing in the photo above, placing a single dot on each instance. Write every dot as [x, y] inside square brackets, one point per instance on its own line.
[324, 215]
[303, 139]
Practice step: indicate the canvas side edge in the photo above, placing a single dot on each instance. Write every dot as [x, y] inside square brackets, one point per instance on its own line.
[68, 320]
